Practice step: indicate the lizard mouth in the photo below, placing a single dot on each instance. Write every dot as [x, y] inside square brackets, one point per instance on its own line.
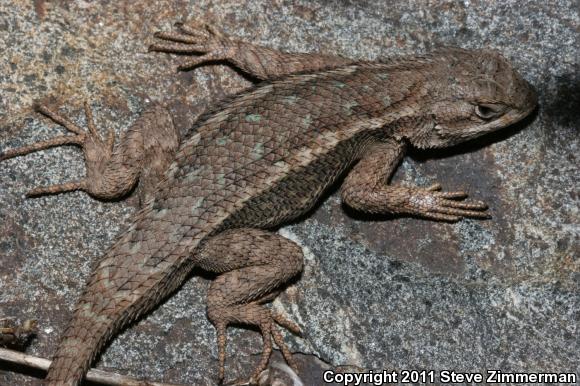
[449, 137]
[505, 120]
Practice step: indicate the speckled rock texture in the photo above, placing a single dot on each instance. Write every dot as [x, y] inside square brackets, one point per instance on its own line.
[376, 293]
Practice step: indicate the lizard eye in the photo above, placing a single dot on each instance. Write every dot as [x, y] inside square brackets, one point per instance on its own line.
[488, 110]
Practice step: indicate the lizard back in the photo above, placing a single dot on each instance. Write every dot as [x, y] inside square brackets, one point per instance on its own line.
[263, 158]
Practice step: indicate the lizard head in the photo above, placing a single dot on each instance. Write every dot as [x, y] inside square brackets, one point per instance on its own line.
[473, 93]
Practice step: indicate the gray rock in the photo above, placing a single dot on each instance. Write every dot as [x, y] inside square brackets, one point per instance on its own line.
[377, 293]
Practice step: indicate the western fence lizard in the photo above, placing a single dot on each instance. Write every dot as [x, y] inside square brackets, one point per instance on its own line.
[262, 158]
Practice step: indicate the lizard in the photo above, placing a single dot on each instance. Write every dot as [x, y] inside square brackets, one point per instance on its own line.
[259, 159]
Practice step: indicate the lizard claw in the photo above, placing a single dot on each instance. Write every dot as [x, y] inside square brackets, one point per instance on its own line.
[93, 146]
[434, 204]
[266, 321]
[198, 38]
[435, 187]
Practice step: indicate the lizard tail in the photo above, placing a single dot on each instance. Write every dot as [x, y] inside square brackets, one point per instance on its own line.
[99, 315]
[81, 342]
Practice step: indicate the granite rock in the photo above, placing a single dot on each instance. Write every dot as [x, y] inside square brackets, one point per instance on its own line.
[377, 292]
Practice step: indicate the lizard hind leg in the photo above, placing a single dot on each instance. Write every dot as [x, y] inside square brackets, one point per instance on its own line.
[112, 170]
[251, 275]
[81, 138]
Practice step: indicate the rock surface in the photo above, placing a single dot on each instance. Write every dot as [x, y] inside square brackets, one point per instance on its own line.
[377, 293]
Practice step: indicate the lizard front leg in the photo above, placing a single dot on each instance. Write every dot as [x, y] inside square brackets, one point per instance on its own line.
[143, 153]
[260, 62]
[251, 274]
[366, 189]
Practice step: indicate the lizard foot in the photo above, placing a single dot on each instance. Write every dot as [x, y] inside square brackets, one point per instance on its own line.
[199, 38]
[434, 204]
[96, 150]
[255, 314]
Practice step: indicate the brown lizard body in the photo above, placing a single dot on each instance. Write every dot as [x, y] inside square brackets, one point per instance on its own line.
[262, 158]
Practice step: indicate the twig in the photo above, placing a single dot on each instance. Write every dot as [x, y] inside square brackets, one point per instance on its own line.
[97, 376]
